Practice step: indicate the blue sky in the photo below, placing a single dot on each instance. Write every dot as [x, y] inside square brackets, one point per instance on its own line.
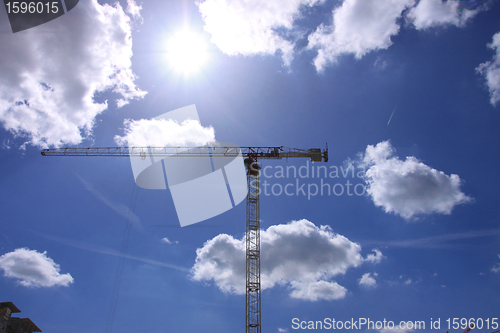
[406, 93]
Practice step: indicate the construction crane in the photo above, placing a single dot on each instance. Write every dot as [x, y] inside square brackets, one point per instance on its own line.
[251, 155]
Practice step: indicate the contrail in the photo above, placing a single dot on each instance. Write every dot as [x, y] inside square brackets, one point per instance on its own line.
[436, 242]
[103, 250]
[393, 112]
[116, 206]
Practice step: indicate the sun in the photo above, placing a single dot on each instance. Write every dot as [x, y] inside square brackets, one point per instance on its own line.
[186, 52]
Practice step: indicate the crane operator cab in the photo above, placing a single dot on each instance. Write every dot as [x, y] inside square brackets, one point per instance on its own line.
[251, 166]
[317, 155]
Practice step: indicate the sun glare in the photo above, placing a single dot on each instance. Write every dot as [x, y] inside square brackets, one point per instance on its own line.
[186, 52]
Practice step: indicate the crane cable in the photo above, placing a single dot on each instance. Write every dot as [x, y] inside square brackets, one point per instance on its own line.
[121, 261]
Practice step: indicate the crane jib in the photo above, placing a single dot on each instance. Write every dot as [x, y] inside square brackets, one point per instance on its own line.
[315, 154]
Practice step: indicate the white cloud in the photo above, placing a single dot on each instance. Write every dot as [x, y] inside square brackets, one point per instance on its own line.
[240, 27]
[491, 71]
[375, 258]
[168, 241]
[162, 133]
[51, 73]
[6, 144]
[496, 267]
[367, 280]
[249, 27]
[314, 291]
[133, 9]
[409, 187]
[298, 254]
[408, 281]
[432, 13]
[34, 269]
[359, 27]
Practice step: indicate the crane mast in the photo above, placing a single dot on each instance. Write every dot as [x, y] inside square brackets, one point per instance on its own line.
[251, 155]
[252, 244]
